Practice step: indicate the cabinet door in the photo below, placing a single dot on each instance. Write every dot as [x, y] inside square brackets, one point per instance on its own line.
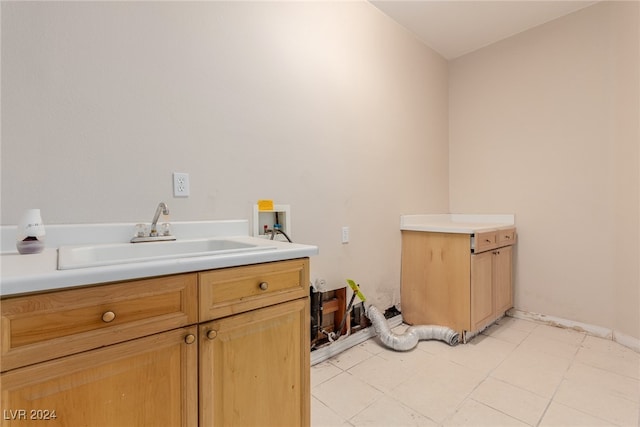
[254, 368]
[481, 289]
[149, 381]
[503, 287]
[435, 279]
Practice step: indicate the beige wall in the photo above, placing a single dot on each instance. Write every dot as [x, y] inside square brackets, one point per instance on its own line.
[545, 125]
[330, 107]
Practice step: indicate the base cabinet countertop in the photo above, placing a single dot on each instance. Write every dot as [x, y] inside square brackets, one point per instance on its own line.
[161, 351]
[457, 271]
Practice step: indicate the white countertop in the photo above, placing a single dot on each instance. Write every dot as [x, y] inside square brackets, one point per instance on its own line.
[39, 272]
[456, 223]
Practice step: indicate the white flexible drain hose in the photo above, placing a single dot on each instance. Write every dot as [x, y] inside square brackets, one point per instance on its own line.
[409, 339]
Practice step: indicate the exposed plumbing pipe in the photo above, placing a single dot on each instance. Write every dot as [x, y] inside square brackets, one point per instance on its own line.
[315, 298]
[409, 339]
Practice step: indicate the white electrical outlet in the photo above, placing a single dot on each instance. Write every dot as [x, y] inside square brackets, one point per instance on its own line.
[345, 234]
[180, 184]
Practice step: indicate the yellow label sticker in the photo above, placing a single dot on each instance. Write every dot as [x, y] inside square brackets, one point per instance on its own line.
[265, 205]
[356, 289]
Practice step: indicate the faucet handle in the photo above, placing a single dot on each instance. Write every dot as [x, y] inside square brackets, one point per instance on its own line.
[165, 229]
[141, 230]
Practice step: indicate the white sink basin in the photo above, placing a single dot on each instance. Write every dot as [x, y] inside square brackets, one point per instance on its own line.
[70, 257]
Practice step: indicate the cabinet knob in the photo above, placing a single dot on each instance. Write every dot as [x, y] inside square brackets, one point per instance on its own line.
[108, 316]
[190, 339]
[264, 286]
[212, 334]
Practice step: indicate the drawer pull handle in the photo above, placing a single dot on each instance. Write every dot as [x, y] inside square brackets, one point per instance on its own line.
[507, 237]
[487, 240]
[212, 334]
[190, 339]
[264, 286]
[108, 316]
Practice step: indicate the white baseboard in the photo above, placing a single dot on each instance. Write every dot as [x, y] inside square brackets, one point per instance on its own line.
[598, 331]
[346, 342]
[627, 340]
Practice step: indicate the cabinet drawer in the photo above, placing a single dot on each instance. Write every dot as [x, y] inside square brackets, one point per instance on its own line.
[506, 237]
[45, 326]
[237, 289]
[485, 240]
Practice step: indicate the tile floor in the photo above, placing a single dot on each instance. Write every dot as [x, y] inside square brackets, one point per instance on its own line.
[517, 373]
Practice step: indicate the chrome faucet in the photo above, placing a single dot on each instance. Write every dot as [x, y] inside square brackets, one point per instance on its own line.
[153, 236]
[161, 209]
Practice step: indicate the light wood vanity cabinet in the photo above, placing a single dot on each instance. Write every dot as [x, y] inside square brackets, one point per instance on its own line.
[139, 353]
[254, 366]
[463, 281]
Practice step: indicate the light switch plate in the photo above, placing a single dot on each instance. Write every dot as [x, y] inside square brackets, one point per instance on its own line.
[345, 234]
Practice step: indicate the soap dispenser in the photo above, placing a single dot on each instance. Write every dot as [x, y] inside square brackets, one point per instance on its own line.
[30, 233]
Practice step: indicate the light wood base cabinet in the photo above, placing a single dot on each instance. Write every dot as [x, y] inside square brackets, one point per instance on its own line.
[254, 365]
[457, 280]
[227, 347]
